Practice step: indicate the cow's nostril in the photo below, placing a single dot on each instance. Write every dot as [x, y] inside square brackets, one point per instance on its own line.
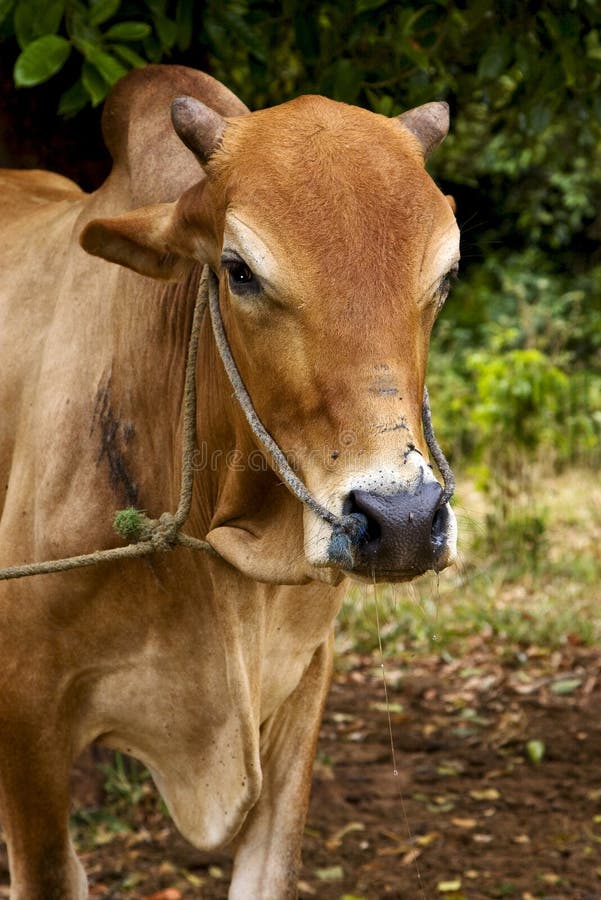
[373, 528]
[440, 524]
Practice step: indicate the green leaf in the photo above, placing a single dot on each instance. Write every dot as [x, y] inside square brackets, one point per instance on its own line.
[365, 5]
[248, 36]
[331, 873]
[128, 56]
[40, 60]
[591, 42]
[346, 78]
[128, 31]
[449, 886]
[73, 100]
[80, 28]
[157, 7]
[307, 36]
[5, 8]
[535, 751]
[94, 84]
[540, 116]
[101, 10]
[110, 68]
[570, 63]
[551, 23]
[35, 18]
[166, 31]
[566, 685]
[184, 18]
[496, 58]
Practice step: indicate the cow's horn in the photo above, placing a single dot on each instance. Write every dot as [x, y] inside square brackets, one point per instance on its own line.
[198, 126]
[429, 123]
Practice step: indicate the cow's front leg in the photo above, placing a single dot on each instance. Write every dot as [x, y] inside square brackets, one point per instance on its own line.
[34, 811]
[268, 848]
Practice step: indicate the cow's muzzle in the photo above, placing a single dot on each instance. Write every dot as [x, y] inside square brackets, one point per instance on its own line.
[405, 534]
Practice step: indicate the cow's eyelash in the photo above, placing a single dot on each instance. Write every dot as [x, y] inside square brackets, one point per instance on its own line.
[445, 284]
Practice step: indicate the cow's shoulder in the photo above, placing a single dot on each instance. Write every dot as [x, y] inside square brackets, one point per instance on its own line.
[150, 162]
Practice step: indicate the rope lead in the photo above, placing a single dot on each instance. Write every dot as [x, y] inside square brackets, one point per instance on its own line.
[151, 535]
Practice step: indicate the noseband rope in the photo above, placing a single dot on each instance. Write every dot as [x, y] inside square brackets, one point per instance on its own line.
[437, 454]
[151, 535]
[347, 531]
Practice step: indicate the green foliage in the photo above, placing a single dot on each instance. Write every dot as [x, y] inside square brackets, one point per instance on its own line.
[126, 780]
[499, 598]
[516, 366]
[511, 305]
[520, 395]
[127, 784]
[107, 36]
[41, 59]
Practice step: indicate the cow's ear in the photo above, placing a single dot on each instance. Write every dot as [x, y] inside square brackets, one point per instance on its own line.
[149, 240]
[451, 201]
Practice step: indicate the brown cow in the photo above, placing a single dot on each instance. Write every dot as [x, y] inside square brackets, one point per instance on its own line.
[333, 249]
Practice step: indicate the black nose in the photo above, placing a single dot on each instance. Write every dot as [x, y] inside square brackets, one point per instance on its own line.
[406, 532]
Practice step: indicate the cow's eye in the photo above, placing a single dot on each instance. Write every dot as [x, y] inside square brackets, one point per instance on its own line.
[445, 284]
[240, 276]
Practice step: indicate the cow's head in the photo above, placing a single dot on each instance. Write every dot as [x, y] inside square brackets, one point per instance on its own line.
[334, 251]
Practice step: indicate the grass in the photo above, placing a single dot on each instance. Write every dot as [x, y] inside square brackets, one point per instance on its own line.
[533, 580]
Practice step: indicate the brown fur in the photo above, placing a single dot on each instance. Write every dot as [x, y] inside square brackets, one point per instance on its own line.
[213, 673]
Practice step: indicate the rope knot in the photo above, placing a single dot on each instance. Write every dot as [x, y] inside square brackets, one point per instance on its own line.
[164, 532]
[133, 525]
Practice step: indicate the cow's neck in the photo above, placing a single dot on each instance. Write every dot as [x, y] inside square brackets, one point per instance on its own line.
[240, 503]
[237, 499]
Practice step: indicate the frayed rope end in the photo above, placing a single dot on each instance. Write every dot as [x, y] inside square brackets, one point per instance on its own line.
[128, 523]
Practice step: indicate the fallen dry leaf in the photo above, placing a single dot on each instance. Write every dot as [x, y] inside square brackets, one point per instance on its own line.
[448, 886]
[166, 894]
[410, 857]
[424, 840]
[485, 794]
[336, 840]
[464, 823]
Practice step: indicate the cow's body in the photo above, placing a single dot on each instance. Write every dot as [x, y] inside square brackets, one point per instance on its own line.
[213, 674]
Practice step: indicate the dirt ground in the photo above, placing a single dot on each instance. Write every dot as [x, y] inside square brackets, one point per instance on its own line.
[498, 792]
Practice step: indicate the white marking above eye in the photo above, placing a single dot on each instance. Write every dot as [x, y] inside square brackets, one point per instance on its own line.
[242, 239]
[439, 261]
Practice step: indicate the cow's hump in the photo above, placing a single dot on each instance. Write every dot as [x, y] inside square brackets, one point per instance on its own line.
[137, 129]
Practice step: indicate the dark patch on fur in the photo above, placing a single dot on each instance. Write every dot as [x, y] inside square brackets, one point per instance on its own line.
[383, 385]
[114, 438]
[398, 426]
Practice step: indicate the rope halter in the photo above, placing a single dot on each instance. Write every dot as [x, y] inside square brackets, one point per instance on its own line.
[148, 535]
[348, 531]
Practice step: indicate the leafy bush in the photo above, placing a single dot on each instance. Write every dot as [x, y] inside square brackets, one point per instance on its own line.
[108, 36]
[519, 348]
